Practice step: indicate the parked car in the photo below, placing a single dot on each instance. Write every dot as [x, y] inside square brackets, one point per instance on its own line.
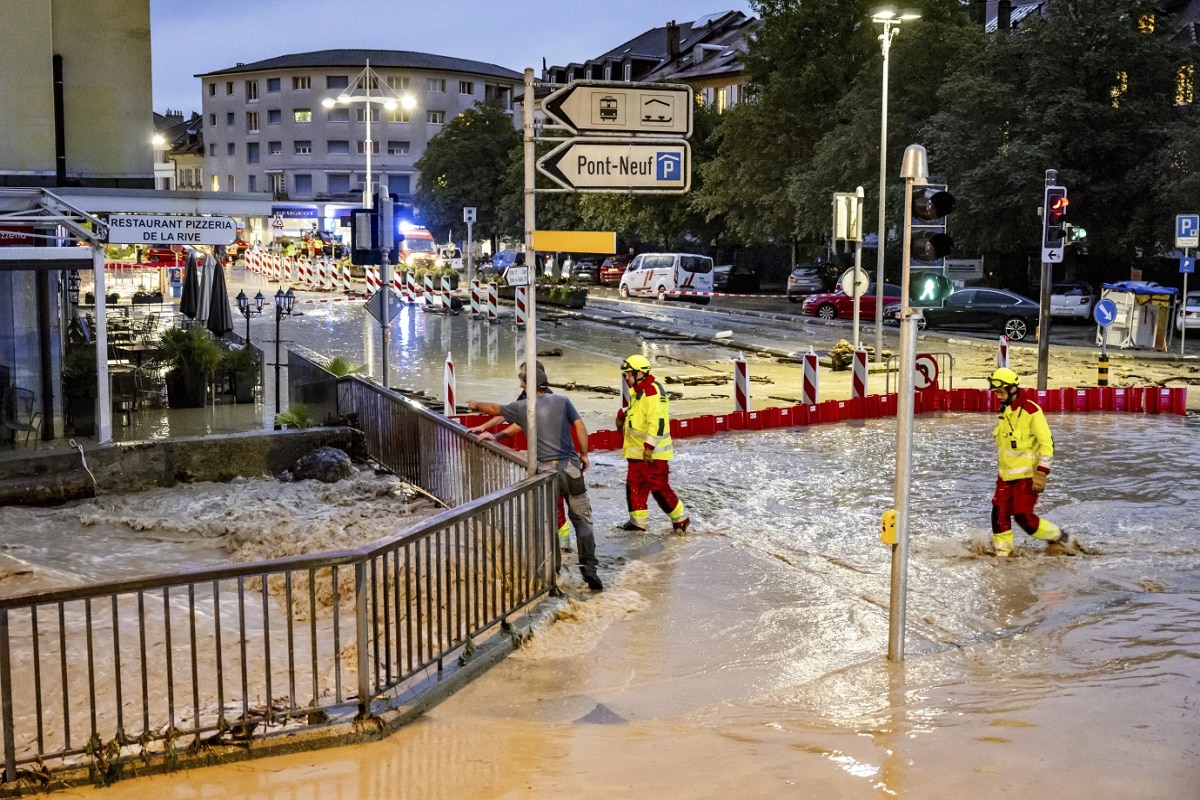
[669, 276]
[735, 279]
[1188, 315]
[166, 255]
[494, 269]
[612, 268]
[834, 305]
[1072, 300]
[980, 308]
[803, 281]
[585, 271]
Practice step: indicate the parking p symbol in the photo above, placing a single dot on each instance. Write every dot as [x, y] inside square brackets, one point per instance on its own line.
[670, 166]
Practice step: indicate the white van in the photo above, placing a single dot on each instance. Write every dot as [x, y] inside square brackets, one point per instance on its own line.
[669, 275]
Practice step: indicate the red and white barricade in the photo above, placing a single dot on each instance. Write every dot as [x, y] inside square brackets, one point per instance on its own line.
[811, 386]
[741, 384]
[1002, 352]
[493, 303]
[428, 295]
[448, 393]
[521, 307]
[476, 305]
[447, 306]
[410, 287]
[858, 383]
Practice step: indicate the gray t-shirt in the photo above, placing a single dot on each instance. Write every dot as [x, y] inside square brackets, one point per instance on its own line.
[555, 416]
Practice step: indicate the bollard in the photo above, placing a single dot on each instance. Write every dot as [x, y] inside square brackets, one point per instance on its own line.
[428, 294]
[1002, 353]
[345, 276]
[493, 309]
[1102, 370]
[448, 406]
[858, 386]
[520, 301]
[447, 306]
[410, 286]
[322, 275]
[809, 391]
[741, 384]
[476, 310]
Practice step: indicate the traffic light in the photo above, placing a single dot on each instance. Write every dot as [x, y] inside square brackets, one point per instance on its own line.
[364, 236]
[928, 240]
[928, 287]
[1054, 217]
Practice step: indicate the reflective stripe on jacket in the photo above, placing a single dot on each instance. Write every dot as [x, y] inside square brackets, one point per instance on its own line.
[1023, 440]
[648, 421]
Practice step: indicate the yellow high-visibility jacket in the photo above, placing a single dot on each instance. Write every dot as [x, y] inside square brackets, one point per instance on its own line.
[648, 422]
[1023, 440]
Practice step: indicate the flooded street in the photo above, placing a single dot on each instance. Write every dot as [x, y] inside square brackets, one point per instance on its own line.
[747, 659]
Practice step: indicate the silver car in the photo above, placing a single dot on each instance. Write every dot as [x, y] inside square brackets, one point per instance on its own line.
[804, 281]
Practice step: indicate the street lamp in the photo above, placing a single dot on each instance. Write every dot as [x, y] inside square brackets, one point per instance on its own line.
[284, 303]
[248, 311]
[890, 18]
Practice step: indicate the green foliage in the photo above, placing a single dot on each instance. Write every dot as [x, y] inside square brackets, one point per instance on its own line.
[297, 416]
[189, 350]
[460, 168]
[341, 367]
[79, 376]
[239, 359]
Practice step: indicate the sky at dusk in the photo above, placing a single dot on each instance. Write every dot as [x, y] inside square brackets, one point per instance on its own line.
[189, 38]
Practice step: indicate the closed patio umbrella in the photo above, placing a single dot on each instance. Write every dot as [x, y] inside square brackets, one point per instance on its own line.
[220, 317]
[189, 298]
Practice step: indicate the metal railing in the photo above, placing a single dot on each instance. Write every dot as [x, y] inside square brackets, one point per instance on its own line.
[96, 674]
[945, 371]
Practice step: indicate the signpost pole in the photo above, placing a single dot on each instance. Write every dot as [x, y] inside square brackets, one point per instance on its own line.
[531, 301]
[1187, 251]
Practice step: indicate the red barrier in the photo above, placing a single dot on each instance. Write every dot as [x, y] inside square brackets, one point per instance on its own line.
[1179, 400]
[682, 429]
[1077, 400]
[871, 409]
[754, 420]
[1049, 399]
[800, 415]
[720, 423]
[786, 417]
[1158, 400]
[737, 421]
[854, 408]
[830, 411]
[887, 405]
[1120, 399]
[704, 424]
[1133, 400]
[1107, 396]
[770, 417]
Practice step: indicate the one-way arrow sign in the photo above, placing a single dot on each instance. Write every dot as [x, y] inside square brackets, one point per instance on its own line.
[637, 166]
[663, 109]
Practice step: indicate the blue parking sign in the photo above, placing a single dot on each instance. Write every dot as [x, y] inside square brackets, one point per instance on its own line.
[1187, 230]
[1187, 264]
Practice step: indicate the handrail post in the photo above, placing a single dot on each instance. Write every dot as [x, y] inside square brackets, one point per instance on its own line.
[6, 701]
[360, 622]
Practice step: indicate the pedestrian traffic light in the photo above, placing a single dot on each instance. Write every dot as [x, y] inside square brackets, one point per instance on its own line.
[1054, 216]
[928, 287]
[927, 237]
[364, 236]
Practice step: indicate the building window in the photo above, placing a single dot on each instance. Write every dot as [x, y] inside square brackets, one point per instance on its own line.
[229, 115]
[399, 114]
[301, 82]
[252, 183]
[338, 147]
[361, 114]
[398, 83]
[251, 122]
[230, 184]
[212, 90]
[231, 149]
[274, 116]
[212, 120]
[272, 84]
[435, 117]
[251, 91]
[274, 148]
[212, 149]
[216, 184]
[304, 185]
[278, 185]
[466, 87]
[501, 95]
[399, 184]
[302, 115]
[398, 148]
[339, 184]
[252, 152]
[228, 87]
[338, 114]
[337, 81]
[303, 147]
[362, 147]
[437, 85]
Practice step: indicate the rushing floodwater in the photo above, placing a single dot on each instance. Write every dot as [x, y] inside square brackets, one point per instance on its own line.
[748, 658]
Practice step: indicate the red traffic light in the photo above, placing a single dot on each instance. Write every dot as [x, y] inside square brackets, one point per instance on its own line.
[1056, 209]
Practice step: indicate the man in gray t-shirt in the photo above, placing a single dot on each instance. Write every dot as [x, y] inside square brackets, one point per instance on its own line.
[556, 418]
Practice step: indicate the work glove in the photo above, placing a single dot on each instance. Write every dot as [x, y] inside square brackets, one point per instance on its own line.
[620, 419]
[647, 455]
[1039, 481]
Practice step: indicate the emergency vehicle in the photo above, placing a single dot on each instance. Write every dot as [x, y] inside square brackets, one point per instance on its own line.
[419, 249]
[669, 276]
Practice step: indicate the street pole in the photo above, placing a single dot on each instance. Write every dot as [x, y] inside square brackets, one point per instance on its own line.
[1187, 251]
[886, 39]
[278, 319]
[531, 304]
[1044, 304]
[368, 193]
[856, 237]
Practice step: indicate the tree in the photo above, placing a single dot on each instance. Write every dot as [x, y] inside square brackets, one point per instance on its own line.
[463, 166]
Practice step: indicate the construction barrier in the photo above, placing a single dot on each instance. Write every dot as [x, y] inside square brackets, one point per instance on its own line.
[741, 384]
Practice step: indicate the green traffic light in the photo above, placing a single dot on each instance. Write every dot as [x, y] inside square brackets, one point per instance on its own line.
[928, 289]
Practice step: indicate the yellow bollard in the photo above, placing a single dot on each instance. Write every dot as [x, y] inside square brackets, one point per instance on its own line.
[1102, 371]
[887, 526]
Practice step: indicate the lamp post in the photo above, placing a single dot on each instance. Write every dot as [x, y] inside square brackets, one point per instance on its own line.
[364, 81]
[890, 18]
[248, 310]
[284, 303]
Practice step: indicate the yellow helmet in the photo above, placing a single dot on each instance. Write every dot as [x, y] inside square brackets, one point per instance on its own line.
[635, 364]
[1003, 377]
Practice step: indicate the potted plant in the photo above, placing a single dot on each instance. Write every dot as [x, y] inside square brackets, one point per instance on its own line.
[565, 293]
[242, 365]
[191, 357]
[79, 386]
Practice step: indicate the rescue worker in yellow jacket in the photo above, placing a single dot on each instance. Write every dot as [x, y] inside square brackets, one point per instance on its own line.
[1026, 449]
[647, 447]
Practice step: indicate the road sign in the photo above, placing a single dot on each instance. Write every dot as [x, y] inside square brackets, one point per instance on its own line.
[277, 222]
[1187, 230]
[1187, 265]
[1052, 255]
[1105, 312]
[658, 108]
[517, 276]
[854, 282]
[375, 305]
[927, 371]
[637, 166]
[169, 229]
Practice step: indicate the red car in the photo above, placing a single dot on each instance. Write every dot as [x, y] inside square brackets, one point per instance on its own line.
[165, 255]
[612, 269]
[838, 305]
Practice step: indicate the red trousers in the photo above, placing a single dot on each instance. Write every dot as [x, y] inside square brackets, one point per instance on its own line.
[647, 478]
[1014, 500]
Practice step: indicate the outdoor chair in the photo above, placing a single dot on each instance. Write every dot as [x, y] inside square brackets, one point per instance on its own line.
[17, 414]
